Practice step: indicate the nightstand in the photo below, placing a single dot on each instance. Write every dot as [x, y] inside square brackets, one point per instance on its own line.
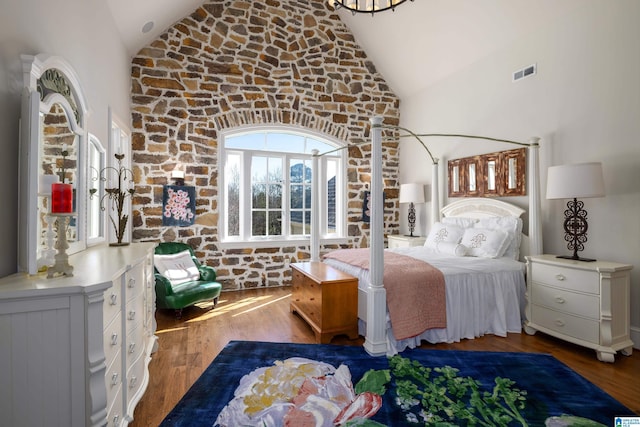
[400, 241]
[586, 303]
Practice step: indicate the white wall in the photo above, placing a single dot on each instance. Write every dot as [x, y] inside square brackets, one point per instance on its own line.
[84, 34]
[584, 103]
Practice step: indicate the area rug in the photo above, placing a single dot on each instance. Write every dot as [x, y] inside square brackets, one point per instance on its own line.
[271, 384]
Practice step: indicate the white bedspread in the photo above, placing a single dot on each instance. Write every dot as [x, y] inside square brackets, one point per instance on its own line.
[484, 296]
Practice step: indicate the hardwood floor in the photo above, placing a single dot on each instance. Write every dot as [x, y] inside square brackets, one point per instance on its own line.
[188, 345]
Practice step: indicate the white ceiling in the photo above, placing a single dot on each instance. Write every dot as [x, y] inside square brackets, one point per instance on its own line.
[414, 46]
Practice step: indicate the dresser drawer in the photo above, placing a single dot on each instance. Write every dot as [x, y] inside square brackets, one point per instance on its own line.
[584, 305]
[568, 278]
[567, 324]
[134, 312]
[134, 280]
[135, 345]
[114, 416]
[112, 302]
[113, 379]
[112, 340]
[135, 377]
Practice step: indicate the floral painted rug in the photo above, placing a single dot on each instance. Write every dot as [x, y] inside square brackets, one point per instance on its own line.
[272, 384]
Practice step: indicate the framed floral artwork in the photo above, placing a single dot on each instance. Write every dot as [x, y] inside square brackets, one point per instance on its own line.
[178, 205]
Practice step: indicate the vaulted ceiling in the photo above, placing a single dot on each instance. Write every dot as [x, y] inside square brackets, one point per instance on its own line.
[414, 46]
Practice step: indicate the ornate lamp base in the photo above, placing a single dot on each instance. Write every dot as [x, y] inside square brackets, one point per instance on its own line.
[575, 227]
[412, 219]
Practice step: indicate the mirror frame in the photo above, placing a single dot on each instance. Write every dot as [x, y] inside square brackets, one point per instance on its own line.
[67, 93]
[482, 182]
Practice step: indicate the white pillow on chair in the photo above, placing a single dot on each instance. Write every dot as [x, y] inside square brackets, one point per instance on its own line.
[178, 268]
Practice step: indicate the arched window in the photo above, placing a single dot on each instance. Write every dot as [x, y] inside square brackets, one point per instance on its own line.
[266, 179]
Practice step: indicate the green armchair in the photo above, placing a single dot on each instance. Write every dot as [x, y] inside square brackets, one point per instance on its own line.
[181, 280]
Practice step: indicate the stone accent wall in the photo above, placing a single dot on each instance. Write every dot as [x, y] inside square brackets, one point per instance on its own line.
[239, 63]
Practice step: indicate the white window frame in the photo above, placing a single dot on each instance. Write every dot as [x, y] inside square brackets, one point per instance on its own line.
[245, 237]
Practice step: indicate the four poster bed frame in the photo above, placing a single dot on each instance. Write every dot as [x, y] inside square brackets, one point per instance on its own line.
[375, 294]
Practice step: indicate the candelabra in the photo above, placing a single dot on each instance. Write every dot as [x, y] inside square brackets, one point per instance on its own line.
[117, 194]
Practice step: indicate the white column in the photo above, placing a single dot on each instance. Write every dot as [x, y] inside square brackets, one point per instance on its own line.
[535, 217]
[375, 341]
[315, 206]
[435, 194]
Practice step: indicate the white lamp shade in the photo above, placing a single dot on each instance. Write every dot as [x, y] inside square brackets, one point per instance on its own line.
[575, 181]
[411, 193]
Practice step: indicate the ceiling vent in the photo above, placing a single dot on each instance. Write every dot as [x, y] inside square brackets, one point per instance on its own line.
[524, 72]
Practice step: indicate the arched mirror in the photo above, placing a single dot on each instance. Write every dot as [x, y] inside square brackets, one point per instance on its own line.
[53, 150]
[95, 214]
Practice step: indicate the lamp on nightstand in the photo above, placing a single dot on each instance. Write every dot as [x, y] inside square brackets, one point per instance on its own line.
[412, 193]
[572, 182]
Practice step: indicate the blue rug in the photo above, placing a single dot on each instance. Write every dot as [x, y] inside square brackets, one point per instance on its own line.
[417, 387]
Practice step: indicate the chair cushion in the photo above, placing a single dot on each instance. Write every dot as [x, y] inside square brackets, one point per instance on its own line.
[177, 268]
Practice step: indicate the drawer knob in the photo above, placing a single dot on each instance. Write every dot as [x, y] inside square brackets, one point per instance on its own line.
[114, 338]
[559, 322]
[560, 300]
[116, 418]
[132, 347]
[132, 315]
[132, 283]
[560, 277]
[133, 381]
[114, 299]
[114, 378]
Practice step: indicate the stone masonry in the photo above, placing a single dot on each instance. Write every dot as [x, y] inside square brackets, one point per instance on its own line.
[238, 63]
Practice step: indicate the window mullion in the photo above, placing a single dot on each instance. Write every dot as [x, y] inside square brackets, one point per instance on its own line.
[246, 207]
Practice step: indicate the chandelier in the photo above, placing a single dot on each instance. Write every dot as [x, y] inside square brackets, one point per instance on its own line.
[366, 6]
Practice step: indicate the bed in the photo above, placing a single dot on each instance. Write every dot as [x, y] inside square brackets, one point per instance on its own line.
[484, 295]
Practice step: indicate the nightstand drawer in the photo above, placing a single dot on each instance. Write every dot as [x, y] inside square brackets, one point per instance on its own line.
[568, 278]
[566, 324]
[566, 301]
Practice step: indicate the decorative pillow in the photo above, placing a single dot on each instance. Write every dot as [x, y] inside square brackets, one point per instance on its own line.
[459, 221]
[455, 249]
[510, 225]
[485, 243]
[178, 268]
[440, 232]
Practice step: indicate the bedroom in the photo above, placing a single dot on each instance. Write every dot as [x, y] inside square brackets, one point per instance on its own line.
[583, 102]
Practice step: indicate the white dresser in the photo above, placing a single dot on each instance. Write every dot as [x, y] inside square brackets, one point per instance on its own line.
[75, 350]
[586, 303]
[401, 241]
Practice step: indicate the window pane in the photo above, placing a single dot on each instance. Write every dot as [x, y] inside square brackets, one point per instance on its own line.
[331, 196]
[285, 142]
[307, 196]
[275, 223]
[259, 196]
[259, 223]
[249, 141]
[307, 171]
[275, 169]
[307, 222]
[259, 169]
[232, 180]
[296, 197]
[296, 170]
[275, 196]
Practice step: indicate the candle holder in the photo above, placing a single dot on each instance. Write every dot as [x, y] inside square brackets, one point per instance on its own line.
[61, 264]
[117, 195]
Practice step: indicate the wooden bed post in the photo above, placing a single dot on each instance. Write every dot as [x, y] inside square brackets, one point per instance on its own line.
[315, 206]
[376, 337]
[535, 221]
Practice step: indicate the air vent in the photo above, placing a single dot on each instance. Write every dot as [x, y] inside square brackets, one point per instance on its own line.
[524, 72]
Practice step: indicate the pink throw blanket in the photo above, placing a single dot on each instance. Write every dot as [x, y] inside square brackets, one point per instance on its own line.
[415, 290]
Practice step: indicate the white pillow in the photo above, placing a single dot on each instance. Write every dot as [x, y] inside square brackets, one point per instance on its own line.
[455, 249]
[178, 268]
[485, 243]
[510, 225]
[459, 221]
[440, 232]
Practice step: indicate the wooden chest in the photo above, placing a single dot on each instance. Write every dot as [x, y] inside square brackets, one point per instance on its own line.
[326, 298]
